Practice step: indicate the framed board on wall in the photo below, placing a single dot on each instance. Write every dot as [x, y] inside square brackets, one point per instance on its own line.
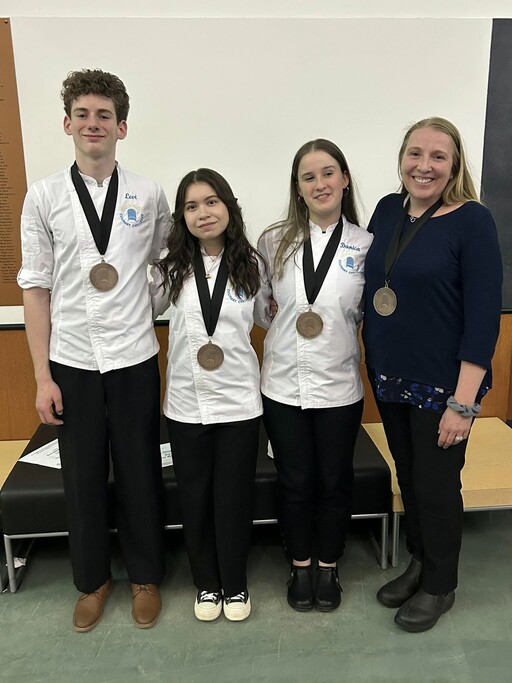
[13, 185]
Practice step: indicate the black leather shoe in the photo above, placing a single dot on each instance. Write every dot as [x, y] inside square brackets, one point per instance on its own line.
[300, 589]
[327, 589]
[421, 612]
[398, 591]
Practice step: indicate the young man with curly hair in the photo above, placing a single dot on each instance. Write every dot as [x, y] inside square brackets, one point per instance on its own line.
[88, 235]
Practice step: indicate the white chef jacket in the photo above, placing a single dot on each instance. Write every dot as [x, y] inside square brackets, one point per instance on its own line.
[231, 392]
[90, 329]
[322, 372]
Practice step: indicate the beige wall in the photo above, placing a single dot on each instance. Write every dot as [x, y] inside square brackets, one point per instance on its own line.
[290, 74]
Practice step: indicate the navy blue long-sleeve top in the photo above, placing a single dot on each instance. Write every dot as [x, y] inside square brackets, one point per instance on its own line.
[448, 286]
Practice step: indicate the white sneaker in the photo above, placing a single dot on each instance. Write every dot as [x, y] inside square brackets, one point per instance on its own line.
[238, 607]
[208, 606]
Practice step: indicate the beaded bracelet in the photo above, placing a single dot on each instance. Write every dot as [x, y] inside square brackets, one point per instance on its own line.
[462, 409]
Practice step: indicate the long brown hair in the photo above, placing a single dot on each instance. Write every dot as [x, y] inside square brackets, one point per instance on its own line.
[294, 229]
[241, 256]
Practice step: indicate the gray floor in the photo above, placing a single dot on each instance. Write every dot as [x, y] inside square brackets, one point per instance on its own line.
[359, 642]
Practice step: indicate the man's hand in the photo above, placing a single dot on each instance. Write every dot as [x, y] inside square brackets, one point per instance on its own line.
[49, 402]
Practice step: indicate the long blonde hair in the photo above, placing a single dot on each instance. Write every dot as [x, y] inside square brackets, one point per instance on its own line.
[460, 187]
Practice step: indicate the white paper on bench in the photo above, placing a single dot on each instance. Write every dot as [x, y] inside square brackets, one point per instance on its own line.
[48, 455]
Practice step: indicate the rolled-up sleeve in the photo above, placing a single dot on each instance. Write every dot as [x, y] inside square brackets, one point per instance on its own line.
[262, 315]
[162, 227]
[36, 241]
[159, 297]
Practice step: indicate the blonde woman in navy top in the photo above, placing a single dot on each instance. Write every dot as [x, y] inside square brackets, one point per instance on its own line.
[432, 314]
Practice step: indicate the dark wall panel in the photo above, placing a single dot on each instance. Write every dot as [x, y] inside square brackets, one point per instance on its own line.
[497, 162]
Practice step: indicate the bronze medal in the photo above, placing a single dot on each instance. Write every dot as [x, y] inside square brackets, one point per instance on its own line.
[210, 356]
[384, 301]
[309, 324]
[104, 276]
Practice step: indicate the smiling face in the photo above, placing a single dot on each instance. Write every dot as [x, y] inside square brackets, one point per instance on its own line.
[94, 128]
[206, 216]
[320, 182]
[426, 166]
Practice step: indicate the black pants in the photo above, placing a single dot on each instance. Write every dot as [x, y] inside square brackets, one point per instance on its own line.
[215, 467]
[314, 452]
[429, 479]
[117, 414]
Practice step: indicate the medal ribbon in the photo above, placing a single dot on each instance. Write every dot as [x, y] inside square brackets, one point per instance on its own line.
[399, 242]
[210, 306]
[100, 228]
[313, 280]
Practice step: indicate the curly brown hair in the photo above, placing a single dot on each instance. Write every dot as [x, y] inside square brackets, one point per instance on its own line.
[96, 82]
[241, 256]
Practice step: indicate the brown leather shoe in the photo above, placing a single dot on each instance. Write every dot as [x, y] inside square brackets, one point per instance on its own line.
[89, 608]
[146, 604]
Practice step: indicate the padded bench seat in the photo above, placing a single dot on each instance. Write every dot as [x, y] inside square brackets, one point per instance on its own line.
[32, 498]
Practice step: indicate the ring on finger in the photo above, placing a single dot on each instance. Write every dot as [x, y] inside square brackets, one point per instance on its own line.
[459, 438]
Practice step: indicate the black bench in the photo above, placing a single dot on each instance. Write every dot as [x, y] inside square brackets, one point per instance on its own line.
[32, 498]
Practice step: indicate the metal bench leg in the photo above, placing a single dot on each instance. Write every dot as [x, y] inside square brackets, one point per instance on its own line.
[384, 543]
[11, 571]
[21, 553]
[394, 539]
[380, 548]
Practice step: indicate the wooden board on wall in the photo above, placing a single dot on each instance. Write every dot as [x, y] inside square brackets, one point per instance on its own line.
[18, 416]
[18, 389]
[13, 184]
[498, 402]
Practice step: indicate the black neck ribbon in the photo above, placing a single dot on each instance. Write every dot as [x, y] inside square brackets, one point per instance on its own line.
[100, 228]
[314, 279]
[210, 306]
[399, 242]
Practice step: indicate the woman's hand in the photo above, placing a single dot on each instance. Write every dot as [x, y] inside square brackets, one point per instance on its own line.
[453, 428]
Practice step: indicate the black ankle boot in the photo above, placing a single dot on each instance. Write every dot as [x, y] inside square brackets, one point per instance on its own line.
[398, 591]
[422, 611]
[327, 589]
[300, 588]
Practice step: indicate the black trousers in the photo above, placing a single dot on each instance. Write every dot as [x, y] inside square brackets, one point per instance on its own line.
[112, 414]
[429, 479]
[314, 452]
[215, 467]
